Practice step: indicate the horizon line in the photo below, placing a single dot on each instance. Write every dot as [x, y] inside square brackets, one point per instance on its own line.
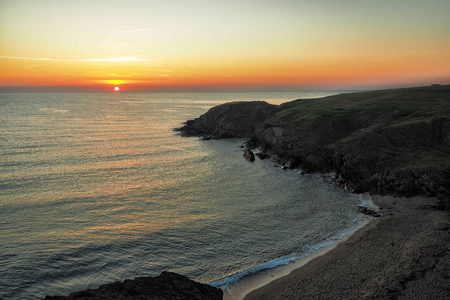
[249, 88]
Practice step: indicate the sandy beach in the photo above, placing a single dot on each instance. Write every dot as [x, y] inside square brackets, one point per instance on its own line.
[403, 255]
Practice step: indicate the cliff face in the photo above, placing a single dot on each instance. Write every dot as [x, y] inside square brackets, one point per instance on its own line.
[229, 120]
[164, 287]
[387, 142]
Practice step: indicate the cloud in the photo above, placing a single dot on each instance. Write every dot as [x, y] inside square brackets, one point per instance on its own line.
[109, 59]
[107, 75]
[119, 59]
[136, 30]
[25, 58]
[160, 70]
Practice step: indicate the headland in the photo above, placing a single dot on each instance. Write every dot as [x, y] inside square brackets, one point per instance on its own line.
[389, 142]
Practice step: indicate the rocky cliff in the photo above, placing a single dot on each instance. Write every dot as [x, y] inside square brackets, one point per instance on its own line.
[229, 120]
[386, 142]
[167, 286]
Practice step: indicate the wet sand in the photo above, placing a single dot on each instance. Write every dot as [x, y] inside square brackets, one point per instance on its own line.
[403, 255]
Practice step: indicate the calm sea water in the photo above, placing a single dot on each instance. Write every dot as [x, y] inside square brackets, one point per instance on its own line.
[96, 187]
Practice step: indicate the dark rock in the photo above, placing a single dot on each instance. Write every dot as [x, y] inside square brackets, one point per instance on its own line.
[248, 154]
[229, 120]
[166, 286]
[207, 137]
[262, 155]
[369, 212]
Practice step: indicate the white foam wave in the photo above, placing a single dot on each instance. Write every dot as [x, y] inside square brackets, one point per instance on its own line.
[307, 251]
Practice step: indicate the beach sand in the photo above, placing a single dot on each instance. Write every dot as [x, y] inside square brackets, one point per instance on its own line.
[403, 255]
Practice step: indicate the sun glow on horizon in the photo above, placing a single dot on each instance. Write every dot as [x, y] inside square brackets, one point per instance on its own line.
[282, 45]
[116, 89]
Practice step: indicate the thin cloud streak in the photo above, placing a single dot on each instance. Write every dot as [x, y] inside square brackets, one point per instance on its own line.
[110, 59]
[26, 58]
[136, 30]
[119, 59]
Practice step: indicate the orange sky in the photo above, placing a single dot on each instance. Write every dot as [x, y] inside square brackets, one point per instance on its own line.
[166, 45]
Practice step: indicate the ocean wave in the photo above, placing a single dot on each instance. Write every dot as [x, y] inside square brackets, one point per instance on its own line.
[307, 251]
[328, 240]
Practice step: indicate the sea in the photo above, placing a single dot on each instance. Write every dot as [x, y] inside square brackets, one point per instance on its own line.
[98, 187]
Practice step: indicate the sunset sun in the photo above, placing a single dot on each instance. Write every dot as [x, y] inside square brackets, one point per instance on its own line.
[116, 88]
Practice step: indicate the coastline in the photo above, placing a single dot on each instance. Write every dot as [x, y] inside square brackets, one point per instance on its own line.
[268, 278]
[404, 254]
[238, 290]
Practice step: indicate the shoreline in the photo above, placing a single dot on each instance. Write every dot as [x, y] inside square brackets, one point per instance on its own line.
[238, 290]
[405, 253]
[269, 277]
[308, 266]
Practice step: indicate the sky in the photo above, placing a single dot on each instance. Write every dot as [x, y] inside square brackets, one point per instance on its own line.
[222, 45]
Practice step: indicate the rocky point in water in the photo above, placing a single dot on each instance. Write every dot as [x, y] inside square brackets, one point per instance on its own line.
[167, 286]
[394, 142]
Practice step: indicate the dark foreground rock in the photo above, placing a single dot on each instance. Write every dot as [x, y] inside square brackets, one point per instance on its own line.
[394, 142]
[167, 286]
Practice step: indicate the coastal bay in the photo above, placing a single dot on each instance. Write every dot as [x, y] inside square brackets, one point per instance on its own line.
[393, 144]
[96, 188]
[225, 150]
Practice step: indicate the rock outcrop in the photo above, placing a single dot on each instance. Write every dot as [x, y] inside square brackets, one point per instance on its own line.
[368, 212]
[393, 142]
[249, 155]
[167, 286]
[229, 120]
